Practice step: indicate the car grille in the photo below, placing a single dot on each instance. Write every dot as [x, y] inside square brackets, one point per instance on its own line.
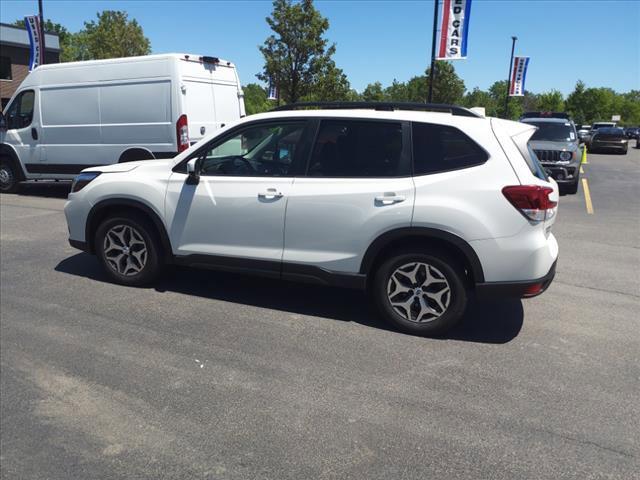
[548, 155]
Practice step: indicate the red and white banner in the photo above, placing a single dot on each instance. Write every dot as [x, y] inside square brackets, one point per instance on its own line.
[519, 76]
[454, 29]
[35, 40]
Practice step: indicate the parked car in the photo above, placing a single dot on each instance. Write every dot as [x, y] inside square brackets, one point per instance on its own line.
[583, 133]
[417, 207]
[609, 139]
[66, 117]
[632, 132]
[557, 147]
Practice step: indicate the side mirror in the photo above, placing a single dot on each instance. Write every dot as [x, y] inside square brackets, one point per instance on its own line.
[193, 172]
[3, 122]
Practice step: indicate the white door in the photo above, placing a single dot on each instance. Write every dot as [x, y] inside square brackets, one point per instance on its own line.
[237, 208]
[23, 131]
[358, 186]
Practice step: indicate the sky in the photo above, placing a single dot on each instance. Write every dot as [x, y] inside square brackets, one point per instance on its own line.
[596, 41]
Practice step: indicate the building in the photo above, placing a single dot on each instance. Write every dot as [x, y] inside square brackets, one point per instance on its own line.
[14, 57]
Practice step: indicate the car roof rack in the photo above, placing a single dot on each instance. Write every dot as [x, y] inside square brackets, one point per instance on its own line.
[385, 106]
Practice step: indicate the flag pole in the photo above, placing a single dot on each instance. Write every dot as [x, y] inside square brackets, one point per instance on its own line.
[432, 73]
[506, 100]
[42, 43]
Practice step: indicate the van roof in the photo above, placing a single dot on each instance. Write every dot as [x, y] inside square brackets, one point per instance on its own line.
[140, 58]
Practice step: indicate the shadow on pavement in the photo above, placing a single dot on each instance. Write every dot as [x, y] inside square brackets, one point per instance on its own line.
[484, 322]
[45, 189]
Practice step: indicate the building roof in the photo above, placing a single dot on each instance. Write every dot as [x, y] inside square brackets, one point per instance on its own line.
[18, 37]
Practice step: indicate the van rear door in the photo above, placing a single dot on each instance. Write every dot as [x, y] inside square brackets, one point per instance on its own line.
[196, 83]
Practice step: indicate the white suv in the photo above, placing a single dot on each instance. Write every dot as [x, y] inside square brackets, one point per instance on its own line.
[419, 207]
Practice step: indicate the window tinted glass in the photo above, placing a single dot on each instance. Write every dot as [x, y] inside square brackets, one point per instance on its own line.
[262, 150]
[5, 68]
[20, 111]
[437, 148]
[553, 131]
[522, 142]
[352, 148]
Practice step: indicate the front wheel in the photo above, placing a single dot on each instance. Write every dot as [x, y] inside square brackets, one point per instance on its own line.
[8, 177]
[420, 293]
[129, 249]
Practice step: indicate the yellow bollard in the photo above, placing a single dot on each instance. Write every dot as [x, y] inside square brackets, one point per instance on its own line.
[584, 155]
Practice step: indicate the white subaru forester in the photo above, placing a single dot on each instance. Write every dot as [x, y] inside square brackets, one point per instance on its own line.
[418, 204]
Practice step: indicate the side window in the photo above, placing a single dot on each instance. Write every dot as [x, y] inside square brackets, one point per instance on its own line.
[20, 112]
[354, 148]
[261, 150]
[438, 148]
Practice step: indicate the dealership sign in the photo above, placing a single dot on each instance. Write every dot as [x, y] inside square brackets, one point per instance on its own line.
[35, 39]
[519, 76]
[454, 29]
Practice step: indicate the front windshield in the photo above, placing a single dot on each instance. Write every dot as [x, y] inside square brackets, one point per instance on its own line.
[553, 132]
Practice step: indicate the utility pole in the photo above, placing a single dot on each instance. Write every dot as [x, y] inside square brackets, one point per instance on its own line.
[42, 42]
[432, 74]
[506, 100]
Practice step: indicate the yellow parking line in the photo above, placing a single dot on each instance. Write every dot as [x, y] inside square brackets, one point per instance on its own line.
[581, 170]
[587, 196]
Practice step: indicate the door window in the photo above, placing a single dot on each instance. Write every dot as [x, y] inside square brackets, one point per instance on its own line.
[20, 112]
[438, 148]
[261, 150]
[348, 148]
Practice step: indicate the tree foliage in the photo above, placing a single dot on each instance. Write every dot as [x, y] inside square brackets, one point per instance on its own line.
[112, 36]
[297, 56]
[255, 99]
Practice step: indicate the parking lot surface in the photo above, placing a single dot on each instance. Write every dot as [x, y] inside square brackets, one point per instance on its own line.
[221, 376]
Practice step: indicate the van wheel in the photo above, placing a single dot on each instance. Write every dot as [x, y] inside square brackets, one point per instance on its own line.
[8, 177]
[420, 293]
[129, 249]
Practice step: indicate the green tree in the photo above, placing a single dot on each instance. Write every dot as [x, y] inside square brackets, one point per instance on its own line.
[373, 93]
[255, 99]
[551, 101]
[297, 52]
[480, 98]
[330, 85]
[498, 92]
[574, 103]
[397, 92]
[114, 36]
[448, 86]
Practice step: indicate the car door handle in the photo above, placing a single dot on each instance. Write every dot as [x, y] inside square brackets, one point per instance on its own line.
[34, 133]
[271, 193]
[390, 199]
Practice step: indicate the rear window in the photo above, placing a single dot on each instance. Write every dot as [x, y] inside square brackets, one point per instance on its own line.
[353, 148]
[438, 148]
[521, 141]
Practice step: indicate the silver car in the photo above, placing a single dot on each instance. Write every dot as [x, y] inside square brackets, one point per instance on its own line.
[558, 148]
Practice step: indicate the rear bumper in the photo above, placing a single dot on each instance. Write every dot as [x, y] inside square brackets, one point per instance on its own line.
[525, 289]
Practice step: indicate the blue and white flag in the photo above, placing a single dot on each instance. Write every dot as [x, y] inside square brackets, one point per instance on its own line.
[454, 29]
[35, 39]
[519, 76]
[273, 91]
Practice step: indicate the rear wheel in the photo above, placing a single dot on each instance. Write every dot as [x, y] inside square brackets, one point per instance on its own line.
[420, 293]
[9, 182]
[129, 249]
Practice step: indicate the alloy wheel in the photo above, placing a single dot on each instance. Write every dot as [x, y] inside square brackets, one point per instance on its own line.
[418, 292]
[6, 177]
[125, 250]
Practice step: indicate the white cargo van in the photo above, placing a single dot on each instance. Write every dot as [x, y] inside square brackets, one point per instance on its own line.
[69, 116]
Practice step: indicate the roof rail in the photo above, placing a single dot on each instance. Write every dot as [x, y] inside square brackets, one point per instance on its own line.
[387, 106]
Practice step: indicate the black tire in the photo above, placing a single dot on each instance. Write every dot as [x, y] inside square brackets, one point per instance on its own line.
[143, 229]
[9, 177]
[432, 325]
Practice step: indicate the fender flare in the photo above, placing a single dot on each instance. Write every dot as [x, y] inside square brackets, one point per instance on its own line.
[94, 215]
[407, 233]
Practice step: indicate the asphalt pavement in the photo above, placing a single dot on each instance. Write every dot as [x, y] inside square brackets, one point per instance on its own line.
[220, 376]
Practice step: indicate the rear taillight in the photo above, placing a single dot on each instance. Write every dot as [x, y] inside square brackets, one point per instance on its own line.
[182, 132]
[532, 201]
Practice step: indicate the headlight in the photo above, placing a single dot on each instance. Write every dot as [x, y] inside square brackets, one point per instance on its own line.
[83, 180]
[565, 156]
